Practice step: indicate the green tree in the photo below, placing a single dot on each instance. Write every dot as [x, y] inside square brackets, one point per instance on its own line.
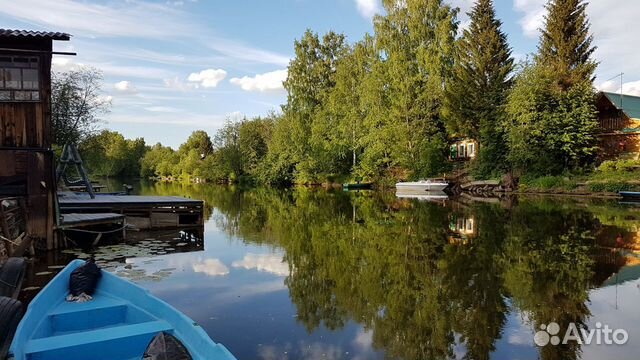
[552, 114]
[341, 120]
[108, 153]
[416, 40]
[565, 46]
[254, 136]
[310, 76]
[477, 91]
[227, 147]
[199, 141]
[77, 103]
[550, 130]
[159, 160]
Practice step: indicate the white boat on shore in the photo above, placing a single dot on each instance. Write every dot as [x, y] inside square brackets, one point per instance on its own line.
[423, 185]
[433, 196]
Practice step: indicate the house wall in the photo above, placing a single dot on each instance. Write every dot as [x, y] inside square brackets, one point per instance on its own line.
[28, 124]
[466, 149]
[27, 162]
[615, 146]
[609, 117]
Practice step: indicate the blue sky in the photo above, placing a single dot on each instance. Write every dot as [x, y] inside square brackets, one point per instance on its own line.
[172, 67]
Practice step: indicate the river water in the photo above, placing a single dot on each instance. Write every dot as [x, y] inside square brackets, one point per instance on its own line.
[316, 274]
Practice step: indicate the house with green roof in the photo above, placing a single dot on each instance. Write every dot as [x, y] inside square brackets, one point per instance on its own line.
[619, 117]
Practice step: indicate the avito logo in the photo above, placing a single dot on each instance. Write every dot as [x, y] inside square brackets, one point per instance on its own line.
[550, 334]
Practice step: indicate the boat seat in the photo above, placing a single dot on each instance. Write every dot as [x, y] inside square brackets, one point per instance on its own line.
[100, 301]
[64, 344]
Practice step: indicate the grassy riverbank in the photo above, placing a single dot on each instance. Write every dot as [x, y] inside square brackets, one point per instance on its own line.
[609, 178]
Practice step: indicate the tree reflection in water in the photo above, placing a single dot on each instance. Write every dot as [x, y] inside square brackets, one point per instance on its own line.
[426, 280]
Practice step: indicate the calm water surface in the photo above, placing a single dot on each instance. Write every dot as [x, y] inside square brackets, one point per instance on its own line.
[311, 274]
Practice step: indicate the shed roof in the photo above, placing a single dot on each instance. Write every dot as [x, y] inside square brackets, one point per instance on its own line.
[9, 33]
[629, 104]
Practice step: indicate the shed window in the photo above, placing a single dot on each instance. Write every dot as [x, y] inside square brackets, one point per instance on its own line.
[19, 78]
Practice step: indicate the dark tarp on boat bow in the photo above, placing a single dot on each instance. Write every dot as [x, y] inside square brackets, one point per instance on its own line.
[166, 347]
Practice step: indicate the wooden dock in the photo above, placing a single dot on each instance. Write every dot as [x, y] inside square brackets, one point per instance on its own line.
[142, 212]
[78, 220]
[89, 224]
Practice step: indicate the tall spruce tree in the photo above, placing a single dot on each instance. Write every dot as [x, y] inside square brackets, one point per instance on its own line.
[566, 45]
[477, 91]
[552, 114]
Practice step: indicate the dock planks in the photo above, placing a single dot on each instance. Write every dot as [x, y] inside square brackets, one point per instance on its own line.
[143, 212]
[71, 199]
[73, 220]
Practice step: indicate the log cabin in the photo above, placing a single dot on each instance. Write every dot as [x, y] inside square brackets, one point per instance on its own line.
[463, 149]
[619, 125]
[26, 157]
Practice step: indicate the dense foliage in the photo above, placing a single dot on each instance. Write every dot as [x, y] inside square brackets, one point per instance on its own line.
[552, 115]
[108, 153]
[387, 107]
[428, 281]
[478, 89]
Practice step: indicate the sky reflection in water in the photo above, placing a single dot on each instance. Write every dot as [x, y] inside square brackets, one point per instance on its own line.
[309, 274]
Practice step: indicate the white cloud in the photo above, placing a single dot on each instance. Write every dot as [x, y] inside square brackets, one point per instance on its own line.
[163, 109]
[178, 2]
[209, 78]
[616, 43]
[465, 7]
[270, 263]
[62, 63]
[168, 118]
[120, 18]
[246, 53]
[628, 88]
[131, 19]
[368, 8]
[128, 71]
[125, 87]
[178, 84]
[271, 81]
[235, 115]
[110, 69]
[211, 267]
[533, 16]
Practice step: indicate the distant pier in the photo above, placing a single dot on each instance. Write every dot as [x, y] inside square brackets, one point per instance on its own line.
[141, 212]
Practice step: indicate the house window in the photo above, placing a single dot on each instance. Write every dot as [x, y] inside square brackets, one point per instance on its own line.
[19, 78]
[462, 153]
[471, 150]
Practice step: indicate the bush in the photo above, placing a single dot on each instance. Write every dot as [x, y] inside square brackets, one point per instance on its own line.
[614, 186]
[548, 183]
[619, 165]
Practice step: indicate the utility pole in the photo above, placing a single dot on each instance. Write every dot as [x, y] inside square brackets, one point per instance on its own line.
[621, 94]
[621, 75]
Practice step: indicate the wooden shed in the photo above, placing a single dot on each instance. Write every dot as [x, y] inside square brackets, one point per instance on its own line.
[619, 120]
[26, 158]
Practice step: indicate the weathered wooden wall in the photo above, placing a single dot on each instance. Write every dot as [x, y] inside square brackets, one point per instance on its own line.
[26, 159]
[28, 124]
[30, 174]
[609, 117]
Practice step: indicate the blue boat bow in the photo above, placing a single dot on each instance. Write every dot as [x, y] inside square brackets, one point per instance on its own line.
[117, 324]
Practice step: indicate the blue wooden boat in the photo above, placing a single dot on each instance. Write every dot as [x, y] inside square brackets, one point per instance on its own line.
[118, 324]
[630, 195]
